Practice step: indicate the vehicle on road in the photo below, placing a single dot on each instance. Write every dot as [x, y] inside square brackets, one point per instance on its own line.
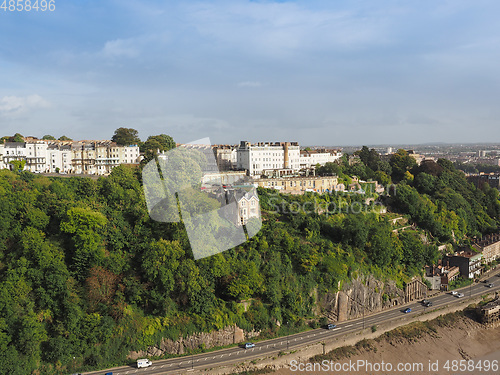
[108, 373]
[143, 363]
[331, 326]
[460, 295]
[407, 310]
[249, 345]
[454, 293]
[425, 301]
[490, 285]
[428, 304]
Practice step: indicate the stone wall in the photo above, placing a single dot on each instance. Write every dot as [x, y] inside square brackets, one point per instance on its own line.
[227, 336]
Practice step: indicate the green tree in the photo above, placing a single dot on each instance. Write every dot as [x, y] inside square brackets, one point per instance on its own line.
[86, 227]
[160, 262]
[370, 158]
[18, 165]
[156, 143]
[126, 136]
[64, 138]
[49, 138]
[400, 163]
[329, 169]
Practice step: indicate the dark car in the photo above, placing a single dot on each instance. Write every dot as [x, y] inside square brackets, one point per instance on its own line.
[425, 301]
[428, 304]
[407, 310]
[331, 326]
[490, 285]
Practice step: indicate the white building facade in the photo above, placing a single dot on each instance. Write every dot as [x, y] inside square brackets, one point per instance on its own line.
[2, 151]
[259, 158]
[84, 157]
[309, 159]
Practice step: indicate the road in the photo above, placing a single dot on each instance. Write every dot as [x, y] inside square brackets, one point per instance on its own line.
[267, 348]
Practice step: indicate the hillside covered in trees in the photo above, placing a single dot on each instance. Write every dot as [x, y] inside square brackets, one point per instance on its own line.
[86, 276]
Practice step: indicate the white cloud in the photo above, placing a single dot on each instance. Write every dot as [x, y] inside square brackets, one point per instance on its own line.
[18, 105]
[277, 29]
[120, 48]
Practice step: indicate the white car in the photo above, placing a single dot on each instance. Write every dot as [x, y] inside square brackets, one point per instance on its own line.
[459, 295]
[453, 293]
[143, 363]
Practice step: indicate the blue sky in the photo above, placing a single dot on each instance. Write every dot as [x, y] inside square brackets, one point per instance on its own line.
[319, 72]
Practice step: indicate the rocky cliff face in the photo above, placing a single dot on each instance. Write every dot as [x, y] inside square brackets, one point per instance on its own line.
[226, 336]
[363, 293]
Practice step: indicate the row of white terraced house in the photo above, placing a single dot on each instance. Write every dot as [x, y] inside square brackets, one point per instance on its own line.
[79, 157]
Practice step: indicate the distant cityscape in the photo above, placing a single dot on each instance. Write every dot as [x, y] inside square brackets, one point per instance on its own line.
[285, 166]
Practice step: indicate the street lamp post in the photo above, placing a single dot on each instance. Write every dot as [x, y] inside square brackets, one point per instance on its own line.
[288, 334]
[362, 305]
[363, 316]
[192, 354]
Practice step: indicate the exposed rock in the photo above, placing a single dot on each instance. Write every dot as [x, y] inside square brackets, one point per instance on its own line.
[363, 294]
[227, 336]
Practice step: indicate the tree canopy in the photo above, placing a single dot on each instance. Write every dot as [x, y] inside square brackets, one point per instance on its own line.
[126, 137]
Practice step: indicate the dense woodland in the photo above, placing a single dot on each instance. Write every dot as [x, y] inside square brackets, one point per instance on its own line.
[86, 275]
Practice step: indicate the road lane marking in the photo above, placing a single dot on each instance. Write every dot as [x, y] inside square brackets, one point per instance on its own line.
[348, 325]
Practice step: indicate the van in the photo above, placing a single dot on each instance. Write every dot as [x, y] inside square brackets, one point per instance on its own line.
[143, 363]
